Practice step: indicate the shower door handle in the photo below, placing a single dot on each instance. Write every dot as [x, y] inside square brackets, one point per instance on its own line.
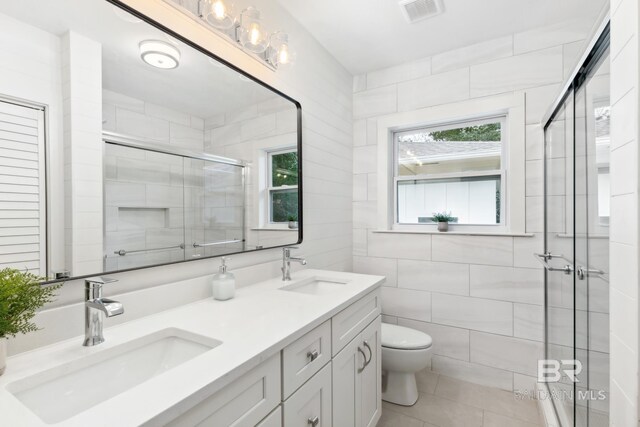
[583, 272]
[543, 258]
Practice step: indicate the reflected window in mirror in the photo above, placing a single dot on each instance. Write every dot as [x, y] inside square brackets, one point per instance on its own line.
[283, 186]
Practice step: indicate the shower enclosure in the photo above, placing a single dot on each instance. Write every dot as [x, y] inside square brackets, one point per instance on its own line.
[576, 255]
[165, 206]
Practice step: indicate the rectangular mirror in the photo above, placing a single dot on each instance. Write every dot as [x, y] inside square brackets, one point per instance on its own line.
[123, 146]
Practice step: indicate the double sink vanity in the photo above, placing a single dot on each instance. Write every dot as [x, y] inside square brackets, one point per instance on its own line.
[299, 353]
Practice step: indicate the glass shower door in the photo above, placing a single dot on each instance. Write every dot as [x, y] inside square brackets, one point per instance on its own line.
[559, 254]
[577, 247]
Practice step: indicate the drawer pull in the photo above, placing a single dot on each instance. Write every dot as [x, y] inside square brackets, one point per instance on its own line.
[313, 422]
[364, 365]
[312, 355]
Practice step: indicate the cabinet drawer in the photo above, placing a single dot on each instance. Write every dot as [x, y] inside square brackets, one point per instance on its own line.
[310, 406]
[274, 419]
[347, 324]
[244, 402]
[304, 357]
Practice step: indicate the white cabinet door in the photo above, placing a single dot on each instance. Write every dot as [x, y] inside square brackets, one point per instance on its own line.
[274, 419]
[371, 376]
[357, 387]
[310, 405]
[346, 385]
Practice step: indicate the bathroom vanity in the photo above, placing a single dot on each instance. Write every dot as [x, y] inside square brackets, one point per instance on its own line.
[300, 353]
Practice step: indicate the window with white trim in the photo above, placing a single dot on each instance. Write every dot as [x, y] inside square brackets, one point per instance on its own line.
[282, 185]
[455, 168]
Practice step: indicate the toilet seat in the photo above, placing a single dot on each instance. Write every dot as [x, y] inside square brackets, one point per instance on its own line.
[401, 338]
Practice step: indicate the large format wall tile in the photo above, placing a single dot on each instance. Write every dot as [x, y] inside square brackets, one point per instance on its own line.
[488, 250]
[406, 246]
[406, 303]
[374, 102]
[508, 353]
[447, 341]
[529, 70]
[473, 372]
[507, 284]
[433, 90]
[473, 313]
[432, 276]
[475, 54]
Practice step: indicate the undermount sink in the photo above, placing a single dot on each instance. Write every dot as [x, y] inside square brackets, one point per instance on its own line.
[64, 391]
[315, 286]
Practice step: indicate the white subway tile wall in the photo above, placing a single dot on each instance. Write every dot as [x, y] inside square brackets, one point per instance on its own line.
[486, 293]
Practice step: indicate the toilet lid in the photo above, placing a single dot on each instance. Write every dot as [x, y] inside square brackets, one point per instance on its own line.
[394, 336]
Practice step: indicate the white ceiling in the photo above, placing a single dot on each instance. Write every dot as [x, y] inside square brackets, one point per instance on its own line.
[199, 86]
[366, 35]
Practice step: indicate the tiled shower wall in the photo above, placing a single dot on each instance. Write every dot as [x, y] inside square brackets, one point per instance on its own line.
[480, 297]
[625, 84]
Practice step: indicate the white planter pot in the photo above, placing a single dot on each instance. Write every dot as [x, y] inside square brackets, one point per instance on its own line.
[3, 355]
[443, 226]
[293, 225]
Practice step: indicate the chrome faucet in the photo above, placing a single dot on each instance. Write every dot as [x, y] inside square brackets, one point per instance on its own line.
[96, 308]
[286, 262]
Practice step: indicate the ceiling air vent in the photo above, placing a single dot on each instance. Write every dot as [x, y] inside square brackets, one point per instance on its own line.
[417, 10]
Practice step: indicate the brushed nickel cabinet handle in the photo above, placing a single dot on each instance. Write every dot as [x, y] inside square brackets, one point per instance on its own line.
[364, 365]
[313, 422]
[312, 355]
[366, 344]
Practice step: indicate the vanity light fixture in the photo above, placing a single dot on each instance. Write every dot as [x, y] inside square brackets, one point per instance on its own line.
[217, 13]
[251, 35]
[159, 54]
[279, 51]
[248, 31]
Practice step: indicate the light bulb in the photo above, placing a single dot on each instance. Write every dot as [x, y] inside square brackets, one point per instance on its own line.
[254, 33]
[219, 10]
[283, 55]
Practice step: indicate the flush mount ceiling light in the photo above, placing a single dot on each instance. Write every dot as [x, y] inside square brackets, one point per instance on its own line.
[159, 54]
[247, 30]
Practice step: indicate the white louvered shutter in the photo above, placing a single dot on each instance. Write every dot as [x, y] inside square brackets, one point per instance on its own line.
[22, 190]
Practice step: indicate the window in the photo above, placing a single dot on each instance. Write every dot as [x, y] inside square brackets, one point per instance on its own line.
[455, 168]
[282, 185]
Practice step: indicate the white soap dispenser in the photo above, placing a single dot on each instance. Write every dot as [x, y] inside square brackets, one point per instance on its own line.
[224, 283]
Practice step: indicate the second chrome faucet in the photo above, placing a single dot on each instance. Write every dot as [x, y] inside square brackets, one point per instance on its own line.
[286, 262]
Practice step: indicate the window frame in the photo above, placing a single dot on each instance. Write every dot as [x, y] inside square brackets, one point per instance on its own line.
[502, 172]
[511, 105]
[270, 189]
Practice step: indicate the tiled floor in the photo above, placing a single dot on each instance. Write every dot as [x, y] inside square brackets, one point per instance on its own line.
[448, 402]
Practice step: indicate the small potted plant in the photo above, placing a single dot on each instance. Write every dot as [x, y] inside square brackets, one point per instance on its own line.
[293, 222]
[443, 219]
[21, 295]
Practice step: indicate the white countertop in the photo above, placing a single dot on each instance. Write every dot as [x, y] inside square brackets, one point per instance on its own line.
[253, 326]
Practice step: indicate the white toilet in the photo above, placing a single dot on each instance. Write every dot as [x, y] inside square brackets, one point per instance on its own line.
[405, 351]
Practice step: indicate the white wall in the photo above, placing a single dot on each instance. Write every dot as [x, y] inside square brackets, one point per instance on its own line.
[324, 89]
[480, 297]
[625, 83]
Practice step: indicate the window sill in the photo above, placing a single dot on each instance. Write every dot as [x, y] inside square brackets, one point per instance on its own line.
[458, 233]
[274, 229]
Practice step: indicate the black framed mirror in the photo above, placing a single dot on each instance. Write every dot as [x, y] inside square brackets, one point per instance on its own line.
[124, 146]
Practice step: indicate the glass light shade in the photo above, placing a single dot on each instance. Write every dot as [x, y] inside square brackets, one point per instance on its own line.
[280, 52]
[251, 34]
[217, 13]
[159, 54]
